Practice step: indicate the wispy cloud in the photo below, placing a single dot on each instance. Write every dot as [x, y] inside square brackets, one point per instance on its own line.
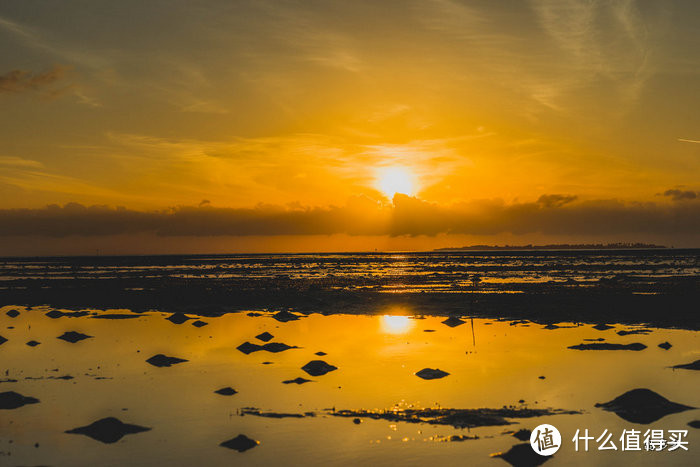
[17, 81]
[602, 42]
[33, 38]
[29, 175]
[69, 56]
[12, 161]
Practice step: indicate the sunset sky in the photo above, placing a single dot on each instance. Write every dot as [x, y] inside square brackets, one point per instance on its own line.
[216, 126]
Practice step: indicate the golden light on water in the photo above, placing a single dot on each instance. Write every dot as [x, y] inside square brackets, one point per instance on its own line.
[392, 324]
[392, 180]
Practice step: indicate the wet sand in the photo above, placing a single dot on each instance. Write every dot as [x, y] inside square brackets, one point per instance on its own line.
[363, 403]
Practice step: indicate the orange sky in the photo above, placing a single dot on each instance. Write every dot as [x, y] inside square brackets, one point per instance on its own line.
[484, 110]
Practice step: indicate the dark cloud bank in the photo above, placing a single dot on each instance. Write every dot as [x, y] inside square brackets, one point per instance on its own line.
[550, 214]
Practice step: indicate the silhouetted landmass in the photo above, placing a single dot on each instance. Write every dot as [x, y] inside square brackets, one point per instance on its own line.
[558, 246]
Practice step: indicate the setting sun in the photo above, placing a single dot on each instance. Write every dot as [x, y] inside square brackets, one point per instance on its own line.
[392, 180]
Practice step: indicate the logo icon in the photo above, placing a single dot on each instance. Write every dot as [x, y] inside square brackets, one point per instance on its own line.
[545, 440]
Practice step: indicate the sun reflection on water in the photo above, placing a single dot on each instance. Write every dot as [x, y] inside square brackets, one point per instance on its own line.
[393, 324]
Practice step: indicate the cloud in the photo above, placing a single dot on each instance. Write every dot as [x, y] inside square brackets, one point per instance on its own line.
[12, 161]
[603, 42]
[17, 81]
[558, 215]
[555, 201]
[681, 195]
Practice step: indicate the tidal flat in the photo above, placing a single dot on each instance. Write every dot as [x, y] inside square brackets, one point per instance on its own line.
[411, 359]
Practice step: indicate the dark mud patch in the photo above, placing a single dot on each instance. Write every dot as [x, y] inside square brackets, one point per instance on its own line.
[318, 368]
[115, 316]
[33, 343]
[2, 340]
[227, 391]
[272, 347]
[454, 438]
[431, 373]
[73, 336]
[265, 336]
[689, 366]
[458, 418]
[199, 323]
[637, 346]
[299, 380]
[240, 443]
[276, 347]
[553, 326]
[285, 316]
[522, 455]
[633, 331]
[55, 314]
[520, 322]
[178, 318]
[108, 430]
[665, 345]
[453, 322]
[13, 400]
[64, 377]
[642, 406]
[523, 435]
[248, 348]
[12, 313]
[259, 413]
[161, 360]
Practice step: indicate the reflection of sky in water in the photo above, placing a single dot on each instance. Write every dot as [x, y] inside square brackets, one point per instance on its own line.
[376, 356]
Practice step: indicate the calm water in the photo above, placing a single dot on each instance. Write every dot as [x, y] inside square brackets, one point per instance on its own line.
[491, 364]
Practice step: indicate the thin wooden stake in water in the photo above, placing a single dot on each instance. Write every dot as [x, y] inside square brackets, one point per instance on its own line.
[473, 336]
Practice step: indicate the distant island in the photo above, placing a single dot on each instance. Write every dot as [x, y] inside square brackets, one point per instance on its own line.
[558, 246]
